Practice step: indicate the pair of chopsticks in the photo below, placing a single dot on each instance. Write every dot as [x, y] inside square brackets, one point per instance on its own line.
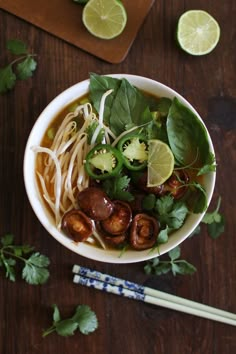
[118, 286]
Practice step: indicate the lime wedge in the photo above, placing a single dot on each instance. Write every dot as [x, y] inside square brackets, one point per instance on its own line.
[160, 163]
[197, 32]
[104, 19]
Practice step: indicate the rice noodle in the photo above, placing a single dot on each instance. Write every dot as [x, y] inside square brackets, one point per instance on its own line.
[57, 185]
[62, 173]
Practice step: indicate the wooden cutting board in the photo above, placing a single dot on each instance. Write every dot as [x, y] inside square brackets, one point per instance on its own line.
[62, 18]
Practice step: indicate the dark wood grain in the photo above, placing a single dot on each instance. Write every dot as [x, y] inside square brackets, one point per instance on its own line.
[125, 326]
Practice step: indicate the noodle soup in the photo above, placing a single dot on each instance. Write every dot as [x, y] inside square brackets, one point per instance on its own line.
[71, 188]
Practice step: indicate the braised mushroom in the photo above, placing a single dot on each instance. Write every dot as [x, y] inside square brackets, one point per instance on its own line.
[95, 203]
[142, 184]
[113, 240]
[119, 221]
[176, 185]
[144, 231]
[77, 225]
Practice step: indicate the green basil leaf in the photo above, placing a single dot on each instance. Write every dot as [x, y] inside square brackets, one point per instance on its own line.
[97, 87]
[187, 135]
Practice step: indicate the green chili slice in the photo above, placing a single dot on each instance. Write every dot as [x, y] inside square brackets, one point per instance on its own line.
[103, 161]
[134, 150]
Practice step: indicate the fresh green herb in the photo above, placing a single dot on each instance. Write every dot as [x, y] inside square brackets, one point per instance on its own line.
[197, 199]
[171, 213]
[215, 221]
[90, 131]
[209, 167]
[149, 202]
[187, 135]
[163, 106]
[174, 265]
[117, 188]
[161, 238]
[24, 66]
[35, 269]
[83, 319]
[125, 106]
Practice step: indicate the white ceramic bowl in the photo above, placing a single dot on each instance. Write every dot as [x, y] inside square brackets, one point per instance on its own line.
[83, 249]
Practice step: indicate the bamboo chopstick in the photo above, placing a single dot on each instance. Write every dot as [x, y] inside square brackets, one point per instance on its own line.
[118, 286]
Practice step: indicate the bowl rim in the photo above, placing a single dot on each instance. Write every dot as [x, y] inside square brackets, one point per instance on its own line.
[41, 212]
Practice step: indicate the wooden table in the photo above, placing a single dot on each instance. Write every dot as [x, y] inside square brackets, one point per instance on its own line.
[125, 326]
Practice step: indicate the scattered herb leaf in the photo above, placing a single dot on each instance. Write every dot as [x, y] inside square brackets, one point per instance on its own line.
[116, 188]
[171, 213]
[215, 221]
[25, 65]
[35, 269]
[83, 319]
[175, 265]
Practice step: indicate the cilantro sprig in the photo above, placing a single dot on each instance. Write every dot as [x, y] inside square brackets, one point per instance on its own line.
[117, 188]
[35, 266]
[83, 319]
[215, 221]
[174, 264]
[20, 68]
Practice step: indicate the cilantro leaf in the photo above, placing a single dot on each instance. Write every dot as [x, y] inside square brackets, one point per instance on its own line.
[39, 260]
[25, 68]
[24, 64]
[116, 188]
[7, 79]
[56, 314]
[183, 267]
[86, 319]
[174, 265]
[34, 271]
[83, 319]
[164, 205]
[215, 229]
[20, 250]
[174, 253]
[215, 221]
[34, 275]
[9, 266]
[66, 327]
[163, 236]
[17, 47]
[171, 213]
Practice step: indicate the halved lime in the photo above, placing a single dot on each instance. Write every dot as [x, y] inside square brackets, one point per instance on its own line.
[160, 163]
[197, 32]
[104, 19]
